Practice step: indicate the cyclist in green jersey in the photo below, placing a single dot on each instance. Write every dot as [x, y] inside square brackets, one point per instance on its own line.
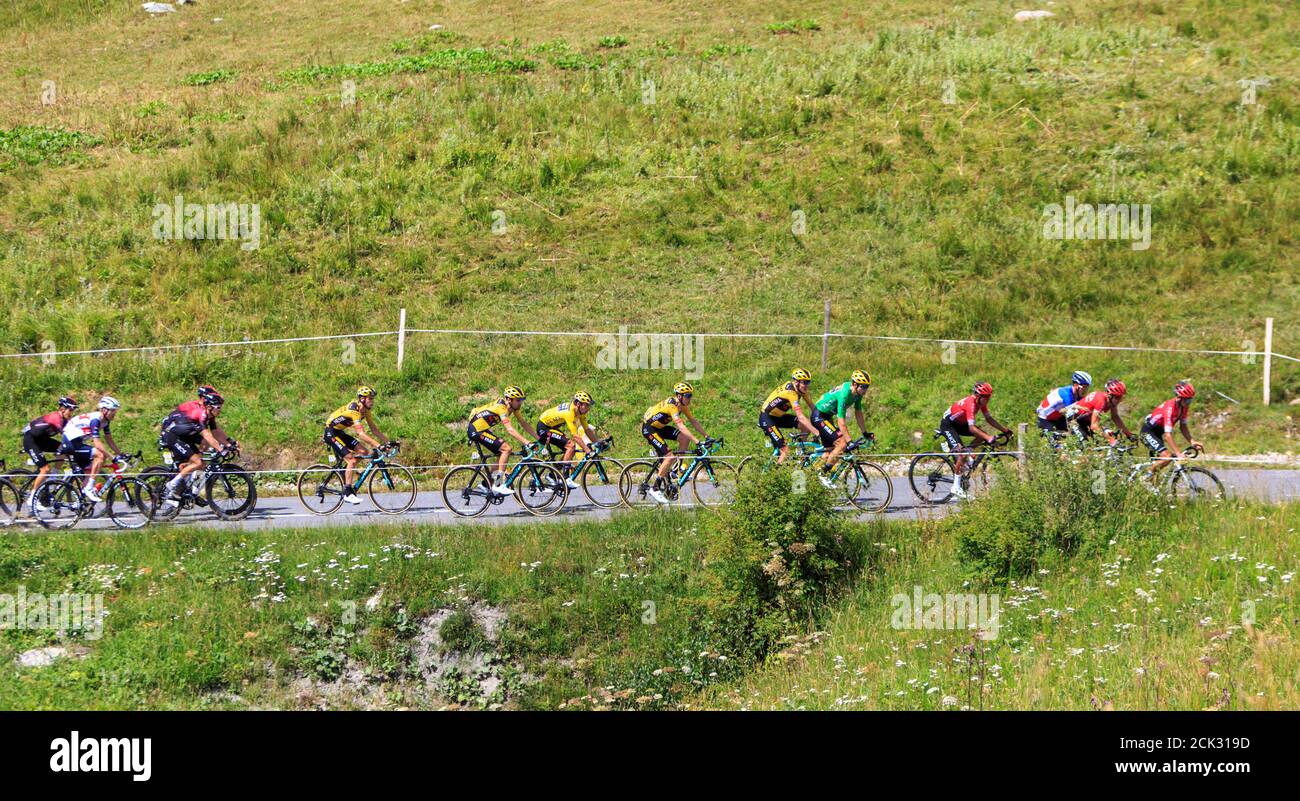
[830, 418]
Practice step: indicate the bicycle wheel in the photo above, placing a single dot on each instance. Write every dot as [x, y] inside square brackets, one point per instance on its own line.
[22, 479]
[635, 482]
[714, 483]
[320, 489]
[57, 505]
[156, 478]
[392, 488]
[931, 477]
[231, 492]
[10, 502]
[1197, 484]
[868, 487]
[129, 503]
[465, 490]
[600, 482]
[541, 489]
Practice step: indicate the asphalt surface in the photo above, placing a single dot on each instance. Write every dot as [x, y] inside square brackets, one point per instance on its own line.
[287, 512]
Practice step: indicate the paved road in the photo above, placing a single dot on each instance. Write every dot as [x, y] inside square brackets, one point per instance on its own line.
[275, 512]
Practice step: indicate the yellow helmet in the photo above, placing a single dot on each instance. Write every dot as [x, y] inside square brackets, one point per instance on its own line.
[683, 388]
[364, 391]
[513, 391]
[801, 375]
[861, 377]
[581, 397]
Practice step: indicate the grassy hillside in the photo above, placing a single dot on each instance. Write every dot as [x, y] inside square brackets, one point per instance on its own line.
[1198, 614]
[923, 218]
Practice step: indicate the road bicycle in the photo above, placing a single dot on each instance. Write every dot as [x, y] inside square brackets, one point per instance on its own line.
[595, 473]
[865, 485]
[228, 490]
[391, 486]
[712, 482]
[932, 475]
[11, 497]
[536, 484]
[1180, 480]
[60, 503]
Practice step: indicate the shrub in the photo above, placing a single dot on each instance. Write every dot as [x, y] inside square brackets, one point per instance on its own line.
[1057, 506]
[772, 558]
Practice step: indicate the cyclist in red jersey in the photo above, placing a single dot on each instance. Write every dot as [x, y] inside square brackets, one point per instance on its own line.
[185, 431]
[959, 421]
[1083, 417]
[44, 435]
[1158, 427]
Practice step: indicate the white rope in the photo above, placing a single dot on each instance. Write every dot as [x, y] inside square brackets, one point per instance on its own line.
[742, 335]
[703, 335]
[96, 351]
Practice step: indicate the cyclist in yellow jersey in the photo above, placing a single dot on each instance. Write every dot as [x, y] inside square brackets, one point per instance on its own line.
[663, 422]
[784, 408]
[345, 446]
[481, 421]
[571, 416]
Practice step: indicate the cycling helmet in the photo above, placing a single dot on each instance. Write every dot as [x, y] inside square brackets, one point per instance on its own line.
[801, 375]
[1116, 388]
[983, 388]
[515, 392]
[364, 391]
[861, 377]
[683, 388]
[581, 397]
[209, 395]
[109, 403]
[67, 402]
[1080, 377]
[1184, 389]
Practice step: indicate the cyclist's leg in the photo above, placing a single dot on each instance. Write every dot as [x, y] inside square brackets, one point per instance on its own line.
[771, 428]
[496, 445]
[1153, 438]
[36, 448]
[952, 434]
[658, 439]
[830, 438]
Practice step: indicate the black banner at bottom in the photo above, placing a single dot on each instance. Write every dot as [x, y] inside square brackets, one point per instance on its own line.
[216, 750]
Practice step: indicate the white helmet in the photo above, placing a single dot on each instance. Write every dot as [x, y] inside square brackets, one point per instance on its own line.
[108, 403]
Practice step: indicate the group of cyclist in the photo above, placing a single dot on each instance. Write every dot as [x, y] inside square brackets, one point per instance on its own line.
[87, 441]
[192, 426]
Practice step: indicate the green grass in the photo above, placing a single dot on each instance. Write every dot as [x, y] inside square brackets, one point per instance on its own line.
[1151, 622]
[597, 614]
[923, 219]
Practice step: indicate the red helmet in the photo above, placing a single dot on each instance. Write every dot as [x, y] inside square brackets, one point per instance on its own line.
[1184, 389]
[1116, 388]
[982, 388]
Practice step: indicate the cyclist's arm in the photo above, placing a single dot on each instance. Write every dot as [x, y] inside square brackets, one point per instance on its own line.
[108, 437]
[214, 437]
[687, 429]
[1173, 446]
[527, 443]
[366, 438]
[994, 423]
[1187, 432]
[862, 422]
[804, 423]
